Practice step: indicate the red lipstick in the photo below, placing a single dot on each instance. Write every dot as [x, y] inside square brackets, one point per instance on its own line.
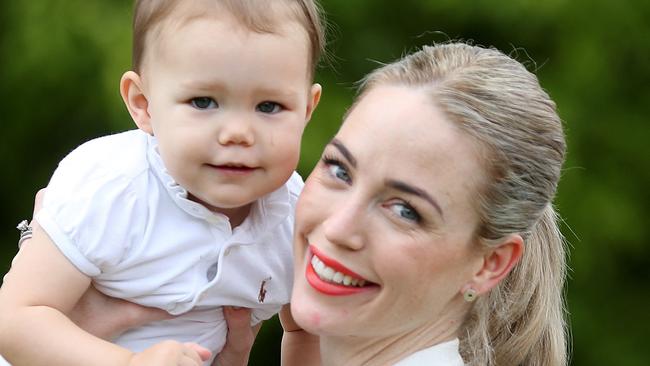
[335, 265]
[330, 288]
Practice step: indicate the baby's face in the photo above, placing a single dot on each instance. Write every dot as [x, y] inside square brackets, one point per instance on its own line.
[228, 107]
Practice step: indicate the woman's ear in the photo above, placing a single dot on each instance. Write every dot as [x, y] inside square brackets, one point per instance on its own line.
[136, 102]
[497, 263]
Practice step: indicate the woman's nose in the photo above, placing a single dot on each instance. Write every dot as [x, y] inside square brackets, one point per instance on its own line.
[236, 131]
[345, 225]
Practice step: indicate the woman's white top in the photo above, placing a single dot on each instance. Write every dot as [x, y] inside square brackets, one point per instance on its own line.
[120, 218]
[443, 354]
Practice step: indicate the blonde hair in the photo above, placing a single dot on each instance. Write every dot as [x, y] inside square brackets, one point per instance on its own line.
[259, 16]
[493, 98]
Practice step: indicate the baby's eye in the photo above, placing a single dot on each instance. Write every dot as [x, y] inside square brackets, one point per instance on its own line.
[203, 103]
[269, 107]
[405, 211]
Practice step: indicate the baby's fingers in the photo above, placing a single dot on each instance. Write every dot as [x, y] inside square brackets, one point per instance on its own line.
[197, 353]
[171, 353]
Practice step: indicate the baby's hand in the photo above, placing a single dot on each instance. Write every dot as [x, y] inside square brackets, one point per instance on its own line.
[171, 353]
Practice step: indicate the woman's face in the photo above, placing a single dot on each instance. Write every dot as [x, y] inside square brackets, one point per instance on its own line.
[384, 224]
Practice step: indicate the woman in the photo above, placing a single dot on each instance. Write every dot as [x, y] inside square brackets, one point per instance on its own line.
[429, 220]
[426, 234]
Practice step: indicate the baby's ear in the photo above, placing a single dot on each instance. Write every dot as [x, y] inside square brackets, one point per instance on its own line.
[136, 102]
[314, 97]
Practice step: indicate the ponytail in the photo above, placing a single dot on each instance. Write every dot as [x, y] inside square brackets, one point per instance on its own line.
[495, 100]
[522, 320]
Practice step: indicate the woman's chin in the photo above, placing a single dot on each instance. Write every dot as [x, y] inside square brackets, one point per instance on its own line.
[305, 311]
[324, 308]
[314, 316]
[307, 319]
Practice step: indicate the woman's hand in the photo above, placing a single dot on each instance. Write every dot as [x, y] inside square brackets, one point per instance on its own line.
[107, 317]
[240, 338]
[298, 346]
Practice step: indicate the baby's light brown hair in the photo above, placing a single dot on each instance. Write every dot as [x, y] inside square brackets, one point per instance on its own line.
[260, 16]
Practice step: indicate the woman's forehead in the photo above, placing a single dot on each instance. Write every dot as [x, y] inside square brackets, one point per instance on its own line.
[401, 118]
[398, 132]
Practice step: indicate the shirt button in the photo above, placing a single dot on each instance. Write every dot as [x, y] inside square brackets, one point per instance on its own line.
[212, 272]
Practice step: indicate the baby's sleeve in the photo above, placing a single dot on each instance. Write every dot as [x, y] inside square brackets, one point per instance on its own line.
[92, 214]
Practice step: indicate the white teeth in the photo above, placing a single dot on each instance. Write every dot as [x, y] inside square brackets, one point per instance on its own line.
[321, 266]
[338, 277]
[329, 274]
[347, 280]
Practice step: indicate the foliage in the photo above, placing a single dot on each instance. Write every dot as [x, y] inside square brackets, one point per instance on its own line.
[60, 63]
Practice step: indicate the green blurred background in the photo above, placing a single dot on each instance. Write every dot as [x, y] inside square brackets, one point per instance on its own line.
[61, 60]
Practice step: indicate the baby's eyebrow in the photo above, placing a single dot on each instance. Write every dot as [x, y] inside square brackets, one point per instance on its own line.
[344, 151]
[410, 189]
[203, 85]
[209, 85]
[282, 93]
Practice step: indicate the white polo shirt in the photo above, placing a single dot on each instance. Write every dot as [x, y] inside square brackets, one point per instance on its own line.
[443, 354]
[120, 218]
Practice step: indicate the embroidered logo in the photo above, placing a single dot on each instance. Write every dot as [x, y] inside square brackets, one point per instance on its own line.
[262, 293]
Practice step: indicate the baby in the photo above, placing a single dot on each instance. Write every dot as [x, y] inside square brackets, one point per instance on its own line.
[194, 209]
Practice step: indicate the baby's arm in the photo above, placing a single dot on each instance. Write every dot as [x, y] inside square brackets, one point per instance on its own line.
[101, 315]
[298, 346]
[41, 287]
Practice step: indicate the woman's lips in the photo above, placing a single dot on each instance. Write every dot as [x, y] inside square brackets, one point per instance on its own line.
[330, 277]
[332, 263]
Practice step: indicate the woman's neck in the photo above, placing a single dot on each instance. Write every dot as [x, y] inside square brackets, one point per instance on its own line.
[353, 350]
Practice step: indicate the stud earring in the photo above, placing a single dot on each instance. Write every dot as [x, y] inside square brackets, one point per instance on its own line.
[469, 295]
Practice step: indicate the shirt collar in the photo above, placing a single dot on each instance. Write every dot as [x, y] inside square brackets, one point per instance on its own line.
[266, 213]
[445, 353]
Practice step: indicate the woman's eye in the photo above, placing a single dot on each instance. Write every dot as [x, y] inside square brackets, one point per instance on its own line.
[405, 211]
[269, 107]
[338, 171]
[203, 103]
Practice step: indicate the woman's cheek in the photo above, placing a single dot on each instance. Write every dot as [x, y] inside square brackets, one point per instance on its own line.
[310, 202]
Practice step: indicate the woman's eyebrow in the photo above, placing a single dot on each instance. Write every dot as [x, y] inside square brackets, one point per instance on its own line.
[407, 188]
[344, 151]
[395, 184]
